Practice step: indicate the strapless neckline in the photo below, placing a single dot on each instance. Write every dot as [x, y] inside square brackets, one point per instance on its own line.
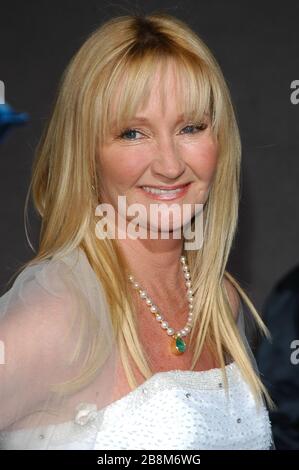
[202, 379]
[207, 379]
[195, 399]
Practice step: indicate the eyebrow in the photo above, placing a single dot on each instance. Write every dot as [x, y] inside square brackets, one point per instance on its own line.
[144, 119]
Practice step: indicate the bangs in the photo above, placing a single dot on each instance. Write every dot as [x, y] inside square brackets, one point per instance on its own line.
[130, 86]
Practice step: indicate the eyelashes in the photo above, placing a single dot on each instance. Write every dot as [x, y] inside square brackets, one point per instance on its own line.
[197, 127]
[200, 127]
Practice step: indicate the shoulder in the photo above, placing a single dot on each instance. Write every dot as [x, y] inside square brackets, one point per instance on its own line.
[36, 330]
[233, 296]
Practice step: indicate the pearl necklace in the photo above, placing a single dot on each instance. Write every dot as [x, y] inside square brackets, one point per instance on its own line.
[178, 345]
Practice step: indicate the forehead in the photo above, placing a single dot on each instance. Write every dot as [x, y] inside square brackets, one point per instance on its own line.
[155, 86]
[163, 86]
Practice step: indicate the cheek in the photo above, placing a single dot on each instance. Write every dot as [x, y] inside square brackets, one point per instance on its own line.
[121, 167]
[204, 161]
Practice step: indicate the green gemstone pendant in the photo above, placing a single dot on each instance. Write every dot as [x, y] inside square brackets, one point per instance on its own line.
[178, 345]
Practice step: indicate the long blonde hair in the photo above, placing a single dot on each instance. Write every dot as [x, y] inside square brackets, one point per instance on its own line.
[127, 50]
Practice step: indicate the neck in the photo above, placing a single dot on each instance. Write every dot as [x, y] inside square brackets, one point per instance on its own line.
[154, 263]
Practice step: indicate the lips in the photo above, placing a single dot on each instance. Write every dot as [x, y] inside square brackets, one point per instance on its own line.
[165, 192]
[178, 186]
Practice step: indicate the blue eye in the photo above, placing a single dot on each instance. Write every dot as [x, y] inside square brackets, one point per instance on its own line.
[200, 127]
[126, 132]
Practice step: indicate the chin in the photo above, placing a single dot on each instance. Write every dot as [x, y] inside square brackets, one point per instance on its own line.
[163, 228]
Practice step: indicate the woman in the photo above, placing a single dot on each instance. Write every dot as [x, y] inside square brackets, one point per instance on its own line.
[110, 342]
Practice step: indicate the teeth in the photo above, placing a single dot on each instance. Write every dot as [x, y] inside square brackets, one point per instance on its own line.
[161, 191]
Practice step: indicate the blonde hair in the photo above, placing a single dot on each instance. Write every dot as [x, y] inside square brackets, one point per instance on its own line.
[127, 50]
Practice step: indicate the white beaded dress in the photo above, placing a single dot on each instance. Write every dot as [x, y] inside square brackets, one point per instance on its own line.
[176, 409]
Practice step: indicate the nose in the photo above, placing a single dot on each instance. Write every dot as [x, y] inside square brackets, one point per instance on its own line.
[168, 163]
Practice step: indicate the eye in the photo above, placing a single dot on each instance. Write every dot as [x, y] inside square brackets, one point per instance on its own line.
[128, 132]
[199, 127]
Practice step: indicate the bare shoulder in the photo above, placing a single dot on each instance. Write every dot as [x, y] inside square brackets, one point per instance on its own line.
[35, 330]
[233, 296]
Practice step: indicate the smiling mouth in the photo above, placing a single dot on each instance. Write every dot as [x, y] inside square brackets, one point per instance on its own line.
[162, 192]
